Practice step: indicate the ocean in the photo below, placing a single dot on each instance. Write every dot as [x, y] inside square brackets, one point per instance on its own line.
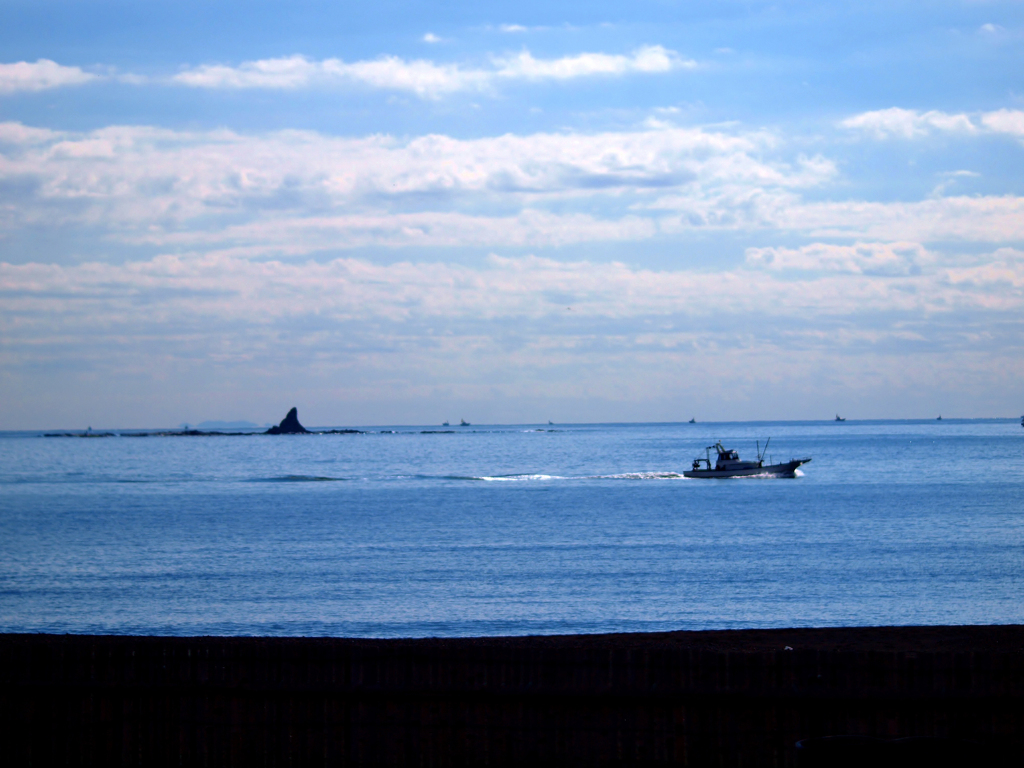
[511, 530]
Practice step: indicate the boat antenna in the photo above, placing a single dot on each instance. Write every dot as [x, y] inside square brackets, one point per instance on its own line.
[759, 458]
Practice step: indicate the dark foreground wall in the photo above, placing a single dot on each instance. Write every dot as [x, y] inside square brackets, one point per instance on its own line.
[681, 698]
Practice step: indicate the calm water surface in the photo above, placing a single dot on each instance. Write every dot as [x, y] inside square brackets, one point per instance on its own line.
[511, 530]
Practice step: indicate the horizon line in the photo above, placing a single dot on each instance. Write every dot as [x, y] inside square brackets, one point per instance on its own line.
[256, 429]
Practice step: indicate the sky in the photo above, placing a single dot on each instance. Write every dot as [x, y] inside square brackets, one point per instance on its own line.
[406, 212]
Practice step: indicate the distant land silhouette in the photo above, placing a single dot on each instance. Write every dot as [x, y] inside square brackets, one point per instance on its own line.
[228, 425]
[289, 426]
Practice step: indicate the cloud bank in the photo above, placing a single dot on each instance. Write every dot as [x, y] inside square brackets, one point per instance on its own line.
[291, 193]
[193, 251]
[162, 187]
[526, 329]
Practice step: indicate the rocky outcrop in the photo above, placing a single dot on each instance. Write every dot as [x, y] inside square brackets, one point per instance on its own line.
[289, 425]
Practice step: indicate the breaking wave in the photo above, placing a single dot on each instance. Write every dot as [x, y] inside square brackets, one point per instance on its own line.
[510, 478]
[640, 476]
[529, 477]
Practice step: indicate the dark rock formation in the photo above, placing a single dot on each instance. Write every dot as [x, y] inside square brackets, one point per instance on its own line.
[289, 425]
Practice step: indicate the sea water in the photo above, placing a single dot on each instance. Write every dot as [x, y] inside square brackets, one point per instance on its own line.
[511, 530]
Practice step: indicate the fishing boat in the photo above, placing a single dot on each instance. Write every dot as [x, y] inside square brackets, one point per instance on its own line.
[840, 418]
[463, 423]
[729, 464]
[692, 421]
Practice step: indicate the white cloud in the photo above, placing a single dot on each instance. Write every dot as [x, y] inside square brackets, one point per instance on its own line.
[422, 77]
[40, 76]
[527, 287]
[16, 133]
[991, 219]
[649, 59]
[949, 179]
[254, 277]
[981, 219]
[287, 72]
[881, 259]
[908, 123]
[911, 124]
[155, 184]
[512, 28]
[424, 320]
[1009, 121]
[430, 37]
[294, 193]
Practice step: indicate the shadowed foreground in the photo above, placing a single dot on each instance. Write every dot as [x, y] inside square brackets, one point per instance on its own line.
[680, 698]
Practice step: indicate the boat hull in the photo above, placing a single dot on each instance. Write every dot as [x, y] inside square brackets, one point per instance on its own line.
[786, 469]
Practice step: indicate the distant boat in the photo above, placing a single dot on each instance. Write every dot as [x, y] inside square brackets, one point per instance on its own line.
[551, 423]
[1022, 421]
[939, 417]
[692, 421]
[463, 423]
[446, 424]
[839, 418]
[728, 464]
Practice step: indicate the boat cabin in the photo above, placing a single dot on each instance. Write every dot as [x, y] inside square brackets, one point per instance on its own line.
[727, 460]
[724, 455]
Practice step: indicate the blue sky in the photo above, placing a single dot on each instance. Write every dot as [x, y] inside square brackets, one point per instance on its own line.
[407, 212]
